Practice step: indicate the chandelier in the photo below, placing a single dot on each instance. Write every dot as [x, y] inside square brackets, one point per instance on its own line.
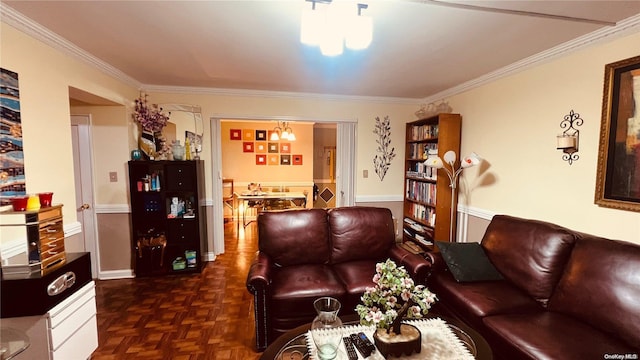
[331, 26]
[282, 131]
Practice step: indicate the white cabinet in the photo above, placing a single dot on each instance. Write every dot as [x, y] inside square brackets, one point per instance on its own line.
[72, 325]
[68, 331]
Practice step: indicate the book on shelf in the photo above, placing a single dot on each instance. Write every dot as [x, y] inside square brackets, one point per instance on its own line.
[424, 132]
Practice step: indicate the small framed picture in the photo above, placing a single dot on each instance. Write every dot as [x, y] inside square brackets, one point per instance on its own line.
[261, 147]
[273, 148]
[247, 135]
[261, 135]
[285, 148]
[285, 159]
[235, 134]
[261, 159]
[247, 146]
[297, 160]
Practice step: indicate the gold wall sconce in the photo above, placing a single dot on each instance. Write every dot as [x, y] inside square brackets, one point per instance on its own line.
[569, 139]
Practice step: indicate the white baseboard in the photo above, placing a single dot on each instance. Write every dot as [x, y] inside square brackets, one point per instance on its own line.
[116, 274]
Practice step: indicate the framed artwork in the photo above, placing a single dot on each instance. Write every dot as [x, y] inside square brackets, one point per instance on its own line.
[235, 134]
[297, 160]
[247, 135]
[261, 135]
[12, 174]
[618, 177]
[261, 159]
[272, 147]
[273, 159]
[285, 148]
[285, 159]
[247, 146]
[261, 147]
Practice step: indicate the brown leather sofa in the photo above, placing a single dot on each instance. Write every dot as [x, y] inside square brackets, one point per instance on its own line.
[310, 253]
[565, 294]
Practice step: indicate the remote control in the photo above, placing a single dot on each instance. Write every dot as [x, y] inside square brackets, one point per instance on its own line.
[361, 345]
[351, 351]
[367, 343]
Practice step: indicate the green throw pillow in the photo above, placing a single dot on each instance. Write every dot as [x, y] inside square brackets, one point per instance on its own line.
[468, 262]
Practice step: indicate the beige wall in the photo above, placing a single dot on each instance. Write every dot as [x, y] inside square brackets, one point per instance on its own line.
[45, 75]
[241, 166]
[513, 123]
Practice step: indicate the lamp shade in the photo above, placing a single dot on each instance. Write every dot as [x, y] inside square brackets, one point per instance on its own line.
[472, 160]
[450, 157]
[434, 161]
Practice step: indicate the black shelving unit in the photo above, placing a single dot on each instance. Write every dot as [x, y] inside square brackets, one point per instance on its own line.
[168, 218]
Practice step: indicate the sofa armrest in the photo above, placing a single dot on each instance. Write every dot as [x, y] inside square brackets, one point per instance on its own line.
[258, 281]
[417, 267]
[259, 277]
[436, 260]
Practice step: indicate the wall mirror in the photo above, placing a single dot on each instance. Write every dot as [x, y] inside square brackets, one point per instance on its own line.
[185, 122]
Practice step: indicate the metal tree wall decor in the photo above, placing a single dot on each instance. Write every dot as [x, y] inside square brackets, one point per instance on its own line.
[381, 162]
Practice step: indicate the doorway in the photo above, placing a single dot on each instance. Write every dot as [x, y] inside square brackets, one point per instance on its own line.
[344, 168]
[324, 165]
[82, 164]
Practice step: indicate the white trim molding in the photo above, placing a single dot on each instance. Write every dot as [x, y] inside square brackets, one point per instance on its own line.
[623, 28]
[116, 274]
[462, 231]
[112, 209]
[73, 228]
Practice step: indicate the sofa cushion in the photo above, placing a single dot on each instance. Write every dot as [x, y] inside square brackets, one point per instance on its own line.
[360, 233]
[549, 335]
[356, 276]
[474, 300]
[601, 286]
[530, 253]
[297, 287]
[294, 237]
[468, 262]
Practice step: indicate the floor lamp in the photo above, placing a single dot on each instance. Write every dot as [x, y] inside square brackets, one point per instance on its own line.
[434, 161]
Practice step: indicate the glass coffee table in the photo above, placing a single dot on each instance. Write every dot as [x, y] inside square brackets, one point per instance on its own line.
[293, 344]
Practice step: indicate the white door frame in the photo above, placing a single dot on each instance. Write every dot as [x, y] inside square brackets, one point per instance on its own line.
[83, 168]
[345, 165]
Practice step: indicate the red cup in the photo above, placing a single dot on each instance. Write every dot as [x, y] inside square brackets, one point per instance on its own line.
[45, 199]
[19, 203]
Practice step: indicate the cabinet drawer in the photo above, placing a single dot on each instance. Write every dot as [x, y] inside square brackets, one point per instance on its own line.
[181, 231]
[180, 177]
[51, 231]
[81, 345]
[49, 258]
[50, 213]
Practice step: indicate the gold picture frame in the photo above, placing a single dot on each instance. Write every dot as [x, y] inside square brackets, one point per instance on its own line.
[618, 177]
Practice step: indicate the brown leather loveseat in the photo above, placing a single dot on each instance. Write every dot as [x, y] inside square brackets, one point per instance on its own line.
[307, 254]
[564, 294]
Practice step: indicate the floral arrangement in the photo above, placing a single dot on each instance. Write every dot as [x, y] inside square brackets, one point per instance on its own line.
[150, 117]
[393, 289]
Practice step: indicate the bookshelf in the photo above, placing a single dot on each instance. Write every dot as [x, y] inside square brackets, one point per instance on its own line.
[427, 195]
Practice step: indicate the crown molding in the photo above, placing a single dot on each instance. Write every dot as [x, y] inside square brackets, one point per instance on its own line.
[623, 28]
[278, 94]
[22, 23]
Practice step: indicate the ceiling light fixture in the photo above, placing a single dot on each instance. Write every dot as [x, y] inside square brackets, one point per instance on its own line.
[331, 26]
[282, 131]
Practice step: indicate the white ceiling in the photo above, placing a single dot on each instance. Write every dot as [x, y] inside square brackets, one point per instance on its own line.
[419, 48]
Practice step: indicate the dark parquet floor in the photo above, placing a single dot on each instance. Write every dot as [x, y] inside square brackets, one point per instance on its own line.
[200, 316]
